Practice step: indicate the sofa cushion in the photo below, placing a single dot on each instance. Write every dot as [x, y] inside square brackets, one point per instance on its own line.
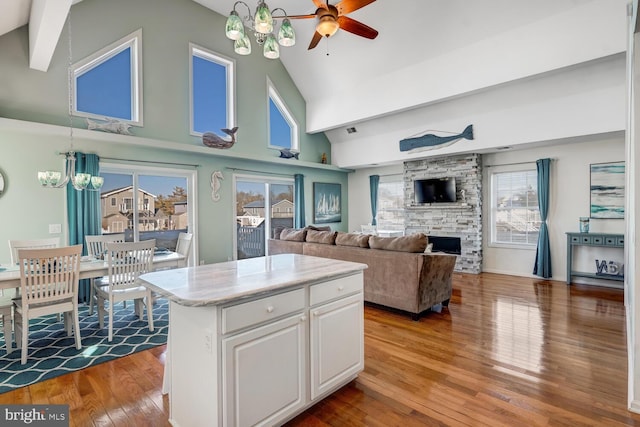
[325, 237]
[321, 228]
[352, 239]
[293, 234]
[412, 243]
[277, 231]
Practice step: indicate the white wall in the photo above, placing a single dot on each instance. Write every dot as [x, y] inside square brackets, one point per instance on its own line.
[359, 199]
[569, 200]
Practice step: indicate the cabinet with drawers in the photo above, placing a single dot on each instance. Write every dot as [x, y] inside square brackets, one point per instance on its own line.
[591, 239]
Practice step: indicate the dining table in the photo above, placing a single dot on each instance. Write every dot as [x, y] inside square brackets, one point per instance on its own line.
[90, 268]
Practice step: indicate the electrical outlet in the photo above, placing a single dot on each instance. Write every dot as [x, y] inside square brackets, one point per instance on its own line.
[55, 228]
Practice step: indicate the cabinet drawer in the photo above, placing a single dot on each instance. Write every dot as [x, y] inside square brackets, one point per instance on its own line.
[597, 240]
[585, 239]
[575, 239]
[610, 241]
[620, 241]
[254, 312]
[335, 289]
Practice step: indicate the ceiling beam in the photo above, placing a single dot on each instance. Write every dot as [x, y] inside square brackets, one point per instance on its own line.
[45, 26]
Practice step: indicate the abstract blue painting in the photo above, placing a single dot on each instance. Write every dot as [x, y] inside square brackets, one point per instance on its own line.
[607, 190]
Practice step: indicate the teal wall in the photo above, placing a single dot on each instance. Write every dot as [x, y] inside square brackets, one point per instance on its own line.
[27, 95]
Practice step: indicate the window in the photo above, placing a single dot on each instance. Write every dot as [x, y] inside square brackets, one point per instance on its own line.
[108, 84]
[147, 199]
[390, 215]
[283, 129]
[514, 217]
[113, 201]
[212, 91]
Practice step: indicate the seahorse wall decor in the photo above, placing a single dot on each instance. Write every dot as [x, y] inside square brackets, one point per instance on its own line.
[216, 177]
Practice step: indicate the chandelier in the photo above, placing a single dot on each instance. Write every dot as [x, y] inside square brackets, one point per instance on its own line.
[262, 24]
[80, 181]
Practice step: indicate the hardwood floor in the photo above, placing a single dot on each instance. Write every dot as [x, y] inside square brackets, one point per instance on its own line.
[508, 351]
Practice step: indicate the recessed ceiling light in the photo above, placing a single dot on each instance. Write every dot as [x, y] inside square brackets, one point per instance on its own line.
[352, 130]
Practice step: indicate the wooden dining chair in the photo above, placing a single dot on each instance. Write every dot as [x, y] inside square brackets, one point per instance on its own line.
[126, 262]
[97, 248]
[6, 316]
[48, 285]
[183, 247]
[14, 245]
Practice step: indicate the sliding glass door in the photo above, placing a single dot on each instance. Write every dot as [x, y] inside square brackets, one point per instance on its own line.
[148, 203]
[263, 205]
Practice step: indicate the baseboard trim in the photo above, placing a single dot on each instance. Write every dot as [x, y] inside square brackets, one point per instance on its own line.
[635, 406]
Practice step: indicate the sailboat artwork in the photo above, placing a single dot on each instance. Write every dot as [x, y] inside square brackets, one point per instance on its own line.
[326, 203]
[431, 141]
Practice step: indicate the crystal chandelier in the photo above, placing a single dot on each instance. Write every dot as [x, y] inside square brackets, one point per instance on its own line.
[262, 24]
[80, 181]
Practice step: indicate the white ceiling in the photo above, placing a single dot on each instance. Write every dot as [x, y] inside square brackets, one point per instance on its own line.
[427, 51]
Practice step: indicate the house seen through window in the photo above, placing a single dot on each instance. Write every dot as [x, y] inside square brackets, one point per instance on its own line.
[514, 215]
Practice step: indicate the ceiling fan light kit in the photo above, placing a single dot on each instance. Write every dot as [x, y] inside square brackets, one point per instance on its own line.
[262, 24]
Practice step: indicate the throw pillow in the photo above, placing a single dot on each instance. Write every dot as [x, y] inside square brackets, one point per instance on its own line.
[412, 243]
[293, 234]
[277, 231]
[351, 239]
[324, 237]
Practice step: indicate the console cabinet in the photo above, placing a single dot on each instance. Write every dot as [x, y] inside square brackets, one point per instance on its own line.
[575, 240]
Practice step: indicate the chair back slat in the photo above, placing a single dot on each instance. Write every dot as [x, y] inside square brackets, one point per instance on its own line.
[183, 247]
[14, 245]
[49, 275]
[127, 261]
[96, 245]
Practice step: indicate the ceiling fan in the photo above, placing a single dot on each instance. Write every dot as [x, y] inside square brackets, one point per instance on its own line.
[333, 17]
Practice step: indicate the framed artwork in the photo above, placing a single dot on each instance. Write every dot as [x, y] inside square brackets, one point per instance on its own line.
[607, 190]
[327, 203]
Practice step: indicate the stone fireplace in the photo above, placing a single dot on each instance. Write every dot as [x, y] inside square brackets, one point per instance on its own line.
[449, 221]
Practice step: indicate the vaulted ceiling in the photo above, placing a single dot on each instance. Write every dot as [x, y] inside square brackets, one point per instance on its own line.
[427, 51]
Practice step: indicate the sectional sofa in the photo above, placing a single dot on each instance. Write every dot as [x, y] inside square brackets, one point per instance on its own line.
[400, 274]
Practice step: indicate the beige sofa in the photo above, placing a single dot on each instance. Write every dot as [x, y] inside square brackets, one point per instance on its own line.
[399, 274]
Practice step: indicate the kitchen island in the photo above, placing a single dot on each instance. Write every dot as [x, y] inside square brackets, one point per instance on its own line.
[257, 341]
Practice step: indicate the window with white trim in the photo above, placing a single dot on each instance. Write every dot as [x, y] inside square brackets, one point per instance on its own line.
[283, 128]
[108, 84]
[211, 91]
[514, 216]
[390, 215]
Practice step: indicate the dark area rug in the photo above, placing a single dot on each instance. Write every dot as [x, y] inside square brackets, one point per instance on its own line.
[53, 353]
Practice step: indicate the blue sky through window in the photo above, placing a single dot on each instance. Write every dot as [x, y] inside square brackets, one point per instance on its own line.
[279, 128]
[105, 89]
[209, 96]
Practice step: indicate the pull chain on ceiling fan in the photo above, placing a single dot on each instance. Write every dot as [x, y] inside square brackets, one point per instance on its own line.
[333, 17]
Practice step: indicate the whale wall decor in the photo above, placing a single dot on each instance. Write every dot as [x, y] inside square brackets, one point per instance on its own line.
[431, 141]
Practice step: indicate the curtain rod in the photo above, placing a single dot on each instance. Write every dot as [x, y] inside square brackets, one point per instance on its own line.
[513, 164]
[150, 161]
[260, 172]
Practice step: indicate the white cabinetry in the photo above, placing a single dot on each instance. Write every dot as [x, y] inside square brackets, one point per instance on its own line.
[263, 359]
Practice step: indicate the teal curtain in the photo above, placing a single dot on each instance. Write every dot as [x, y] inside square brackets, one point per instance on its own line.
[374, 180]
[542, 266]
[298, 201]
[83, 212]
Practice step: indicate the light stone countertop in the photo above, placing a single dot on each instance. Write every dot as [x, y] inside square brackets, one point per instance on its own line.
[213, 284]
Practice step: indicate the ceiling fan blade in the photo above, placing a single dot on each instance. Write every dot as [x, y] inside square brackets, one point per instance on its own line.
[300, 16]
[357, 28]
[315, 40]
[348, 6]
[320, 3]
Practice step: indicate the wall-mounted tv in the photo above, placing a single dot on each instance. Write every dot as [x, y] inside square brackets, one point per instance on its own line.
[435, 190]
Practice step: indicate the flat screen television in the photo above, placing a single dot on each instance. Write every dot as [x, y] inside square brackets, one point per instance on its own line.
[435, 190]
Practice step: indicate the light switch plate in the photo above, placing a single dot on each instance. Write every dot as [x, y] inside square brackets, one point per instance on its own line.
[55, 228]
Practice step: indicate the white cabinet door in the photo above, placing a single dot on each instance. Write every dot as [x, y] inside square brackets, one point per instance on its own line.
[264, 373]
[337, 343]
